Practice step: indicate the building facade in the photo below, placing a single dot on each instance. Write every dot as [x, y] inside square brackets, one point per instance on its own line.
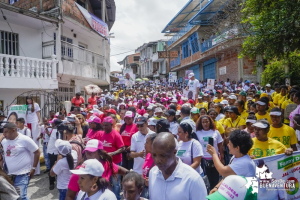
[153, 59]
[132, 62]
[53, 48]
[204, 46]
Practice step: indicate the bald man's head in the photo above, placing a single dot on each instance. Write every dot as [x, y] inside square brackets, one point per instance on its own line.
[163, 151]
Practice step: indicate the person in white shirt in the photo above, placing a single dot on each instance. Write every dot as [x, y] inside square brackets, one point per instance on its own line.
[137, 148]
[17, 155]
[66, 160]
[22, 129]
[241, 164]
[173, 122]
[91, 183]
[269, 91]
[170, 178]
[193, 85]
[46, 138]
[189, 150]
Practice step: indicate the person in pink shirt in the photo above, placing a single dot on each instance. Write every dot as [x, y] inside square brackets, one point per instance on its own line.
[95, 128]
[93, 99]
[148, 163]
[179, 100]
[127, 130]
[94, 150]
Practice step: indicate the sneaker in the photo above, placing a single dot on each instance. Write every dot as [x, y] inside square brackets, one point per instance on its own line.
[51, 187]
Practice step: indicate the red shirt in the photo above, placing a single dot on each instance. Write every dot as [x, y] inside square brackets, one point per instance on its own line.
[77, 102]
[127, 134]
[92, 135]
[111, 142]
[92, 101]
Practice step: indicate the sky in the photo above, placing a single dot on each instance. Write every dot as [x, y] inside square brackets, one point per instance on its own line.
[138, 22]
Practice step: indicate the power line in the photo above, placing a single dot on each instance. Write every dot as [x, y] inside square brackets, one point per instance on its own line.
[45, 29]
[122, 53]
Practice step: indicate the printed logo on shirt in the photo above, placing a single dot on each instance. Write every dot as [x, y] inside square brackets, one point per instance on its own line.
[11, 151]
[106, 144]
[125, 133]
[145, 171]
[180, 152]
[257, 153]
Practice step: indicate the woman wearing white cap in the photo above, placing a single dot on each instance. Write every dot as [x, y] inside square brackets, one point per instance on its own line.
[92, 185]
[263, 146]
[61, 168]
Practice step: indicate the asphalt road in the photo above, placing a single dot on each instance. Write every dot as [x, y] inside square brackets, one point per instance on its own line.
[39, 187]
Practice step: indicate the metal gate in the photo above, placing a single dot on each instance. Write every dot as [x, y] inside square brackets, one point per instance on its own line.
[209, 69]
[47, 101]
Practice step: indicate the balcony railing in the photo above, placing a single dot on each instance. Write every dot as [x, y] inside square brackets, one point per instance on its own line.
[181, 33]
[23, 67]
[73, 53]
[215, 40]
[175, 62]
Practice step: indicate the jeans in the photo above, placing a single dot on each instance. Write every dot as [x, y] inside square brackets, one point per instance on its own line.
[46, 158]
[52, 159]
[145, 192]
[116, 184]
[62, 193]
[21, 183]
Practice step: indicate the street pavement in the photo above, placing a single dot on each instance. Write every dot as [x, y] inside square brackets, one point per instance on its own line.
[39, 187]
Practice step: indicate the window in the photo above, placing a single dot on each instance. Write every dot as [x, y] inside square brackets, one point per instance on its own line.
[9, 43]
[185, 50]
[13, 1]
[136, 58]
[194, 43]
[82, 4]
[66, 48]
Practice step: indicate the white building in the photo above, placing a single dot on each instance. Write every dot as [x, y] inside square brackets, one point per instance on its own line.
[30, 63]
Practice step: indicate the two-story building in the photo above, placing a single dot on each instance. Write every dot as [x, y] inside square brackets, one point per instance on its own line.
[132, 62]
[153, 59]
[211, 55]
[52, 49]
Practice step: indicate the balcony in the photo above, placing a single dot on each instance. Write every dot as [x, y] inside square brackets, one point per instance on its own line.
[214, 41]
[175, 62]
[181, 33]
[78, 61]
[23, 72]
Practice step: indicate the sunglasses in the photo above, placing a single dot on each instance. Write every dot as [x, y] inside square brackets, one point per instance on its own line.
[140, 125]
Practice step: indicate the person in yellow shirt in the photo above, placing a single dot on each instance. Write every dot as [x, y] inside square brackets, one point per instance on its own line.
[277, 91]
[285, 109]
[263, 146]
[219, 97]
[213, 114]
[234, 121]
[262, 106]
[195, 114]
[281, 97]
[226, 113]
[281, 132]
[201, 104]
[240, 104]
[271, 104]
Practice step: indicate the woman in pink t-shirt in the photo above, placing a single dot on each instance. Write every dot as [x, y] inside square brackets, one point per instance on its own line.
[95, 128]
[148, 163]
[94, 150]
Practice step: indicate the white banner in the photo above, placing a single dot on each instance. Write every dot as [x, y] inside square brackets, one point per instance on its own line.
[210, 84]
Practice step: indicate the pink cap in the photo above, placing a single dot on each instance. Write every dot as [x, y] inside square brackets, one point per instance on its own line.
[129, 114]
[94, 119]
[93, 145]
[108, 119]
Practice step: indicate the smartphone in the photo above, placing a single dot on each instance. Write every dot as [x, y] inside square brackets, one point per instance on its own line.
[211, 141]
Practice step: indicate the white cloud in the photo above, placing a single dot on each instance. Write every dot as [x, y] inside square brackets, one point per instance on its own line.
[114, 65]
[138, 22]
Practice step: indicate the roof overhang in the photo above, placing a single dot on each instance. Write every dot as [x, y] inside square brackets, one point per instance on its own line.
[183, 16]
[207, 12]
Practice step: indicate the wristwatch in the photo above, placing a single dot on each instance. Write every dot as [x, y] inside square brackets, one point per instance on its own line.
[33, 168]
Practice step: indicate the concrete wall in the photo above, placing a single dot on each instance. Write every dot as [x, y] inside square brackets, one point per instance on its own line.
[230, 60]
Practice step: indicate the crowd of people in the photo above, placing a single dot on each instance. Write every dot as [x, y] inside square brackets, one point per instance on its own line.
[152, 142]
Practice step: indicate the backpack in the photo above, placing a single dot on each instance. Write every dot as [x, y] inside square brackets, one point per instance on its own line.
[82, 146]
[290, 108]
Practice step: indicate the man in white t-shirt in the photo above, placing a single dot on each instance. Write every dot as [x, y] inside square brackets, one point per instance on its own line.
[137, 148]
[193, 85]
[170, 178]
[22, 129]
[17, 155]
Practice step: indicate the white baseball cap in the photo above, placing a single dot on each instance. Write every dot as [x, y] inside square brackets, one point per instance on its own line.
[152, 121]
[91, 166]
[224, 102]
[232, 97]
[129, 114]
[261, 124]
[158, 110]
[233, 187]
[174, 100]
[63, 147]
[191, 75]
[268, 85]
